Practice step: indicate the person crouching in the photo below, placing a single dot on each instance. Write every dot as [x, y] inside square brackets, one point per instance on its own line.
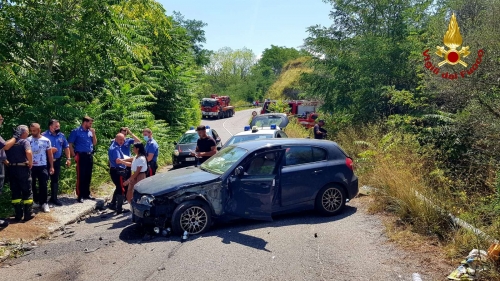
[118, 173]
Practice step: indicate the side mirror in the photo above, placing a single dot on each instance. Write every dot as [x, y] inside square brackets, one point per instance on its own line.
[175, 143]
[219, 148]
[239, 171]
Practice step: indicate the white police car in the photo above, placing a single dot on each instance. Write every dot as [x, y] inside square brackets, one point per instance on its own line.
[181, 155]
[256, 133]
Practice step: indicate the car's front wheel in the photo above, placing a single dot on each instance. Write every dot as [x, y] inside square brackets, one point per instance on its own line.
[192, 216]
[331, 200]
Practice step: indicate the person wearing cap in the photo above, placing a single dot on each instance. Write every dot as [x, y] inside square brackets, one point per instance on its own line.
[319, 132]
[4, 145]
[205, 145]
[43, 166]
[59, 144]
[152, 151]
[20, 160]
[81, 145]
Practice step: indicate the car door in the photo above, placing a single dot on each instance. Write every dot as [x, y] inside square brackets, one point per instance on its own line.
[253, 186]
[217, 139]
[303, 174]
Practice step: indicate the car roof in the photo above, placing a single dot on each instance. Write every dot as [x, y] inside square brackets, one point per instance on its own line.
[265, 131]
[275, 114]
[257, 144]
[195, 132]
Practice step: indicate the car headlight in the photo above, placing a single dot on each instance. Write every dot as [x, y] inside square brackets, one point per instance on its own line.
[146, 200]
[176, 152]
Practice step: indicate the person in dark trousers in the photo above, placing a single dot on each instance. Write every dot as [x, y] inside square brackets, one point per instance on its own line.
[20, 160]
[59, 144]
[43, 165]
[81, 144]
[205, 146]
[118, 173]
[152, 150]
[319, 132]
[4, 145]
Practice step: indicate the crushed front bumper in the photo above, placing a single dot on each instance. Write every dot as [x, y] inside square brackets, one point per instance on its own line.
[151, 214]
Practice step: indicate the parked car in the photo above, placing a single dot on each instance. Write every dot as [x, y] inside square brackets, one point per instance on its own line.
[250, 134]
[254, 180]
[181, 155]
[268, 119]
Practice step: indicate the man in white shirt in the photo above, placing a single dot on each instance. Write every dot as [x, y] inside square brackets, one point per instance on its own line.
[43, 165]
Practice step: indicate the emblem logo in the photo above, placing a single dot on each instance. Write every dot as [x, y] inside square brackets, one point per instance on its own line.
[453, 40]
[452, 56]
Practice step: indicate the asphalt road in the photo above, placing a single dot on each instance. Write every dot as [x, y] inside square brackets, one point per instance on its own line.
[301, 246]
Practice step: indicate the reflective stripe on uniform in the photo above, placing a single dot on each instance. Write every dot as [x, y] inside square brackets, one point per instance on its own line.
[16, 201]
[28, 201]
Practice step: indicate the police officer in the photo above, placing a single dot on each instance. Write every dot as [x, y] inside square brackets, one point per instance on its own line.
[128, 141]
[205, 145]
[20, 160]
[118, 173]
[319, 132]
[152, 150]
[81, 144]
[4, 145]
[59, 144]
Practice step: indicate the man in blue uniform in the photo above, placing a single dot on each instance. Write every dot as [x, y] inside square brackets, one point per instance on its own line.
[81, 144]
[152, 150]
[20, 160]
[117, 172]
[59, 144]
[128, 141]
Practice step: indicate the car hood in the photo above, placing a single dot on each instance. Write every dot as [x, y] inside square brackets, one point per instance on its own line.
[171, 181]
[186, 147]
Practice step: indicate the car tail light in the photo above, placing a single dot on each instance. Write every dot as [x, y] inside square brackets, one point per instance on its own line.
[349, 163]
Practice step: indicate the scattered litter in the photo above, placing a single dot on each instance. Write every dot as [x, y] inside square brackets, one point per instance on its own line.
[33, 243]
[315, 235]
[45, 252]
[273, 257]
[185, 236]
[494, 252]
[161, 268]
[86, 250]
[269, 232]
[100, 238]
[80, 240]
[471, 266]
[416, 277]
[38, 274]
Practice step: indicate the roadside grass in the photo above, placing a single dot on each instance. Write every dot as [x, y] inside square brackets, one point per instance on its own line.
[295, 130]
[401, 172]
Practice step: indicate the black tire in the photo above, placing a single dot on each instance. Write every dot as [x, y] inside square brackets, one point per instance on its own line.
[330, 200]
[231, 113]
[196, 209]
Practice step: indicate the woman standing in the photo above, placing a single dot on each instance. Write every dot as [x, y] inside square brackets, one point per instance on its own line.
[139, 167]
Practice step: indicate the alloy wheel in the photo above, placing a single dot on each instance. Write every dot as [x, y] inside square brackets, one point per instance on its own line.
[332, 199]
[194, 220]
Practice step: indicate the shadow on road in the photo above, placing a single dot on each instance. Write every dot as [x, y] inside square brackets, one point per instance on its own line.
[232, 232]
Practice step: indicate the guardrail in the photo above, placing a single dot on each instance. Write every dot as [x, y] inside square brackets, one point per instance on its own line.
[454, 219]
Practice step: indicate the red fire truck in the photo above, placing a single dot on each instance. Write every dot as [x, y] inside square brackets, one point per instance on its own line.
[216, 106]
[304, 110]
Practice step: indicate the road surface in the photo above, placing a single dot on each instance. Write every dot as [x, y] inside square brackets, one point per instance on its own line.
[303, 246]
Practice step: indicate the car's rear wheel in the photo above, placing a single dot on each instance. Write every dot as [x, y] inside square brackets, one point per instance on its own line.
[192, 216]
[331, 200]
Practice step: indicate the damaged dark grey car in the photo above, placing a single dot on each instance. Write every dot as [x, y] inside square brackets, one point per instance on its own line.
[249, 180]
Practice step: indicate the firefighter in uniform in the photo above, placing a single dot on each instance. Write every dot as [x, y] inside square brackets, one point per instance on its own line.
[118, 173]
[20, 160]
[81, 144]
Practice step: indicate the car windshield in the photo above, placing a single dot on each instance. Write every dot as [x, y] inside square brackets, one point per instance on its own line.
[189, 138]
[222, 161]
[208, 102]
[267, 121]
[238, 139]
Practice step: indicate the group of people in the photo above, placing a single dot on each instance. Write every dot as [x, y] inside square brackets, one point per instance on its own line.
[126, 171]
[33, 157]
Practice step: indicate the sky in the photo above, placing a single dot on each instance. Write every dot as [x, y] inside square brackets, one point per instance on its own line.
[254, 24]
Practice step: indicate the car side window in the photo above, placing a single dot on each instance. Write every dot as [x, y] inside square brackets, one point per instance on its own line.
[319, 154]
[296, 155]
[263, 164]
